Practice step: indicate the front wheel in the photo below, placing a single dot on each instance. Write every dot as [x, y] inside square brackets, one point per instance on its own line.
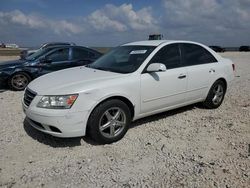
[19, 81]
[109, 121]
[215, 95]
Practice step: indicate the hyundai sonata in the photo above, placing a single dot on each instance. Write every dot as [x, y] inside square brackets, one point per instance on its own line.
[132, 81]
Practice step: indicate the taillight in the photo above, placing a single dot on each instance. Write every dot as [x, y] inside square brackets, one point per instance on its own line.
[233, 66]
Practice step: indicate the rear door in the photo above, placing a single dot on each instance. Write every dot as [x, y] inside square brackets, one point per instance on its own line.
[82, 56]
[201, 68]
[160, 90]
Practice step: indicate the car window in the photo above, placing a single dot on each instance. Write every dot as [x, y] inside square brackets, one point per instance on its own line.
[38, 54]
[168, 55]
[92, 55]
[59, 55]
[80, 54]
[195, 55]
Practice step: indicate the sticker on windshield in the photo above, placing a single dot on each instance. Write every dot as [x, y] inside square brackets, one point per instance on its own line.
[138, 52]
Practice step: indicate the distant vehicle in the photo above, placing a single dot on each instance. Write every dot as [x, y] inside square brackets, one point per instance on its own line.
[2, 45]
[26, 53]
[11, 46]
[155, 37]
[244, 49]
[19, 73]
[130, 82]
[217, 48]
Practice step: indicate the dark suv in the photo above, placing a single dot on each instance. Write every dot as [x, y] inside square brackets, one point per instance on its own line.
[217, 48]
[19, 73]
[244, 49]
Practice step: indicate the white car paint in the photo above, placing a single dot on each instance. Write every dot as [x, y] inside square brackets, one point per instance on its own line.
[149, 93]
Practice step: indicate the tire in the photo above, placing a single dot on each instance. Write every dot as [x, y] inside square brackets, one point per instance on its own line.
[19, 81]
[215, 95]
[106, 125]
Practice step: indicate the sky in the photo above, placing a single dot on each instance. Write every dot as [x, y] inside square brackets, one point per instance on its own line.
[111, 23]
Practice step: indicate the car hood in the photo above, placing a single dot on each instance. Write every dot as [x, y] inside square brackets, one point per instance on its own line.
[7, 64]
[72, 80]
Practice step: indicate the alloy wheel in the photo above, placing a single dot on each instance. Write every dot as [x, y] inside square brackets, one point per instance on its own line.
[112, 122]
[218, 94]
[19, 81]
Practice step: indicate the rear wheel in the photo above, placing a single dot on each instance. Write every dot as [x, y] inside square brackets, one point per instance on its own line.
[216, 95]
[109, 121]
[19, 81]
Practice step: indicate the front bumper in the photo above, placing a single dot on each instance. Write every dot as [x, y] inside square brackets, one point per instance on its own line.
[59, 123]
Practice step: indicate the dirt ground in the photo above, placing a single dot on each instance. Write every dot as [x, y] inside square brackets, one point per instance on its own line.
[187, 147]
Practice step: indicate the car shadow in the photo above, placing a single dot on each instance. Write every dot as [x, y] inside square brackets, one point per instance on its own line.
[56, 142]
[3, 88]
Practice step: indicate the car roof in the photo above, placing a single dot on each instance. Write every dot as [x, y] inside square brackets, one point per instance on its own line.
[59, 43]
[68, 46]
[57, 46]
[146, 43]
[157, 42]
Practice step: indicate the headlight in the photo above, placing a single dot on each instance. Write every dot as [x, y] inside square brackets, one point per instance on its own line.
[57, 102]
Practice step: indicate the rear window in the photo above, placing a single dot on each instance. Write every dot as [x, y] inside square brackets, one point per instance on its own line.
[196, 55]
[80, 54]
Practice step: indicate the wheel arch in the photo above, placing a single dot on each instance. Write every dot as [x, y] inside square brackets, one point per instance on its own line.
[22, 71]
[121, 98]
[223, 80]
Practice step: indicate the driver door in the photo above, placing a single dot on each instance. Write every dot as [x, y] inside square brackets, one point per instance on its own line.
[56, 60]
[163, 90]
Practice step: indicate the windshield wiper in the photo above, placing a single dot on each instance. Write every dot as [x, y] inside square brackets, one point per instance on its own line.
[102, 68]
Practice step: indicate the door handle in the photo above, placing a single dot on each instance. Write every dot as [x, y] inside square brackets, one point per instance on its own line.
[211, 70]
[181, 76]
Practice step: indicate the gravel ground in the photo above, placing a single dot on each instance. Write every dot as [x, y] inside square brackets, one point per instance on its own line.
[187, 147]
[6, 58]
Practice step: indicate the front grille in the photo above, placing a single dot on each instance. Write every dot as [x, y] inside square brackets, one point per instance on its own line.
[28, 96]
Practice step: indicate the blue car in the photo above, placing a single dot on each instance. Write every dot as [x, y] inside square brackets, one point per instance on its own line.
[18, 73]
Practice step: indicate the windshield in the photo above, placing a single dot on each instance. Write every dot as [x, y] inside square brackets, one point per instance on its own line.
[37, 54]
[123, 59]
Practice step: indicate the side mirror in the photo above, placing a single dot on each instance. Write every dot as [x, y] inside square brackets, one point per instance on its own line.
[156, 67]
[44, 60]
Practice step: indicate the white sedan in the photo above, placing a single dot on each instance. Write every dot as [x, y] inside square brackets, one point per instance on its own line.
[132, 81]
